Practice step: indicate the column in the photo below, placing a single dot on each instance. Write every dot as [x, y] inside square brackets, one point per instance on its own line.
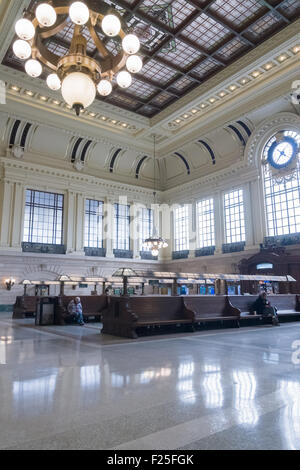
[18, 215]
[6, 213]
[219, 221]
[134, 233]
[192, 229]
[165, 229]
[258, 213]
[248, 216]
[109, 227]
[79, 226]
[70, 215]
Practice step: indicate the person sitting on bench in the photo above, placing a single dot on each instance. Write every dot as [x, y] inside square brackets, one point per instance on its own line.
[263, 307]
[75, 309]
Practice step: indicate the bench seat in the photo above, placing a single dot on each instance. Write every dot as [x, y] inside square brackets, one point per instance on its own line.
[130, 316]
[287, 305]
[212, 309]
[162, 322]
[214, 318]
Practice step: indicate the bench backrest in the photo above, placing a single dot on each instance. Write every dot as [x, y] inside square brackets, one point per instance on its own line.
[157, 308]
[245, 302]
[207, 306]
[283, 302]
[28, 303]
[90, 303]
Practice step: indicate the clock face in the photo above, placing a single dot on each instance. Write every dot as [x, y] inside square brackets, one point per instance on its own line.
[281, 154]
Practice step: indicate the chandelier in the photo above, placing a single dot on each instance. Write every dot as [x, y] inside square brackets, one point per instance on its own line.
[155, 242]
[78, 75]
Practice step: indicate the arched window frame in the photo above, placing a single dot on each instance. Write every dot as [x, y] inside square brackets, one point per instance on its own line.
[281, 198]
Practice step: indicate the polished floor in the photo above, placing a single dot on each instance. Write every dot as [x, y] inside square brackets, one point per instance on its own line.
[70, 388]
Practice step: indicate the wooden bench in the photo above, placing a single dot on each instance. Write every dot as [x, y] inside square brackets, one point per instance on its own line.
[212, 309]
[287, 305]
[25, 306]
[92, 307]
[131, 316]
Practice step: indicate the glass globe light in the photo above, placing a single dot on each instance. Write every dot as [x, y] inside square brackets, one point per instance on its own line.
[111, 25]
[78, 91]
[155, 252]
[104, 88]
[46, 15]
[131, 44]
[22, 49]
[134, 64]
[53, 82]
[124, 79]
[79, 13]
[25, 29]
[33, 68]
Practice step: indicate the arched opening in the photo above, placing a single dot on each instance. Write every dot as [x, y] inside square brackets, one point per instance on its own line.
[281, 181]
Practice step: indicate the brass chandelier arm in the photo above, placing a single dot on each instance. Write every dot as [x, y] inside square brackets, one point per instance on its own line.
[85, 64]
[110, 64]
[113, 64]
[48, 32]
[98, 43]
[44, 55]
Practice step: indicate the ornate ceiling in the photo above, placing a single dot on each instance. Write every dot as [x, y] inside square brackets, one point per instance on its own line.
[184, 43]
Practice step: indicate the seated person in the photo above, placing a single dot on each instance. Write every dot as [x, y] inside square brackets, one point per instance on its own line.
[75, 309]
[263, 307]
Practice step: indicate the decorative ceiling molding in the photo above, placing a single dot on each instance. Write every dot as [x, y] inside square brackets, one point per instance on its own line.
[290, 33]
[25, 172]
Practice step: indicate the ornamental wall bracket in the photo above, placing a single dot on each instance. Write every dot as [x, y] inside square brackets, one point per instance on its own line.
[16, 152]
[78, 165]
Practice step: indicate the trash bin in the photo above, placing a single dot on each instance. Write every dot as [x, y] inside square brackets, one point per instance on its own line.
[45, 311]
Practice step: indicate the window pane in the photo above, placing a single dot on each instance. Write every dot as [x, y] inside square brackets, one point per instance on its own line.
[43, 221]
[93, 224]
[234, 216]
[122, 227]
[146, 227]
[181, 228]
[206, 223]
[282, 199]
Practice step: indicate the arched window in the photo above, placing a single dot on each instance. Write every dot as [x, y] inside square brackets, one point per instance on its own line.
[281, 176]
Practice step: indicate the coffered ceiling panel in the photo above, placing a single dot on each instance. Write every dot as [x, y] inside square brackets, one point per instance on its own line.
[184, 43]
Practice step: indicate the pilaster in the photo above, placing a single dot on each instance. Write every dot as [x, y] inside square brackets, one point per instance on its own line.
[17, 215]
[219, 221]
[6, 212]
[192, 228]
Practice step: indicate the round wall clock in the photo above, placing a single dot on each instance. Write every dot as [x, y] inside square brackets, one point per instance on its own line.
[281, 154]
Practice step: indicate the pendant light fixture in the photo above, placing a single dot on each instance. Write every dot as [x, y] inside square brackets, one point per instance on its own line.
[78, 75]
[155, 242]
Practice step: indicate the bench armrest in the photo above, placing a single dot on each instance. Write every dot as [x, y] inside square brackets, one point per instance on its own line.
[126, 315]
[189, 312]
[230, 310]
[297, 303]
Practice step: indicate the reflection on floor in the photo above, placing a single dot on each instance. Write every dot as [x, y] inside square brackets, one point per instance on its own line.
[71, 388]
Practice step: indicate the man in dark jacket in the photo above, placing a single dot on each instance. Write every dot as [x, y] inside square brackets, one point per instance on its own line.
[263, 307]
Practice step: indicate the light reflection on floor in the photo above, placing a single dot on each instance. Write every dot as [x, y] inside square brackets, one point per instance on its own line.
[62, 390]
